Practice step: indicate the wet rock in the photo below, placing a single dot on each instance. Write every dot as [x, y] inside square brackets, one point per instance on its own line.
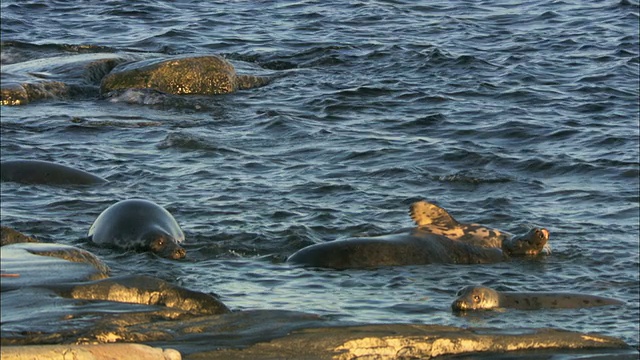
[275, 334]
[404, 341]
[56, 77]
[139, 289]
[11, 236]
[202, 75]
[89, 352]
[45, 172]
[13, 94]
[37, 264]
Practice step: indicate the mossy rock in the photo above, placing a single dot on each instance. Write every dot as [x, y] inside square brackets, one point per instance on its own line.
[200, 75]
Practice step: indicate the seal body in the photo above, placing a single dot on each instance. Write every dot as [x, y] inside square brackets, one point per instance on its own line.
[413, 248]
[45, 172]
[137, 224]
[485, 298]
[437, 239]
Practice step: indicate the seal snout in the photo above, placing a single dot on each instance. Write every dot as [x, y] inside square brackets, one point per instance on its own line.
[178, 253]
[459, 305]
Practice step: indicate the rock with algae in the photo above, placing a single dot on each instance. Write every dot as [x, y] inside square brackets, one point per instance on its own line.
[195, 75]
[147, 290]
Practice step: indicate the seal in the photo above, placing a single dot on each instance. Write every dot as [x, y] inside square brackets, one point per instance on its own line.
[414, 247]
[141, 225]
[432, 218]
[485, 298]
[45, 172]
[438, 238]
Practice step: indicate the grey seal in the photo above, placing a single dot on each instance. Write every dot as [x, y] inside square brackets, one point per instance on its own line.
[414, 247]
[138, 224]
[438, 238]
[486, 298]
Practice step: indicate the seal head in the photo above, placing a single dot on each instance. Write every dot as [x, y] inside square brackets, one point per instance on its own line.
[476, 298]
[140, 225]
[531, 243]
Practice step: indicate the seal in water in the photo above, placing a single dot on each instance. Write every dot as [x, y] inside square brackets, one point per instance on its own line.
[138, 224]
[485, 298]
[45, 172]
[432, 218]
[416, 247]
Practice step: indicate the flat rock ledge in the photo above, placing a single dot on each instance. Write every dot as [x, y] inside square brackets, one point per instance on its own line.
[404, 341]
[393, 341]
[88, 352]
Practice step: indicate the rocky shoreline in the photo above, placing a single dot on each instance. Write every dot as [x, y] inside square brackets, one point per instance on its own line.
[144, 317]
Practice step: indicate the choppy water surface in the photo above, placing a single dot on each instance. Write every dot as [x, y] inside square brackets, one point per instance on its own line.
[509, 114]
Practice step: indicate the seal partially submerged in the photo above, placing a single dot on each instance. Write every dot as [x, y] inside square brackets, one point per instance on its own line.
[485, 298]
[417, 246]
[432, 218]
[137, 224]
[45, 172]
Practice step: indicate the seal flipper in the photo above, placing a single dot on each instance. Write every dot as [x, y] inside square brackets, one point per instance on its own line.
[425, 213]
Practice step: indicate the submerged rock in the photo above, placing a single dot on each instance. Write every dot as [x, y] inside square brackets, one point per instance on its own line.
[56, 77]
[11, 236]
[139, 289]
[38, 264]
[201, 75]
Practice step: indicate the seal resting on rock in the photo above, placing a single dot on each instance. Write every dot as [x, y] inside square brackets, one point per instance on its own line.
[485, 298]
[45, 172]
[195, 75]
[137, 224]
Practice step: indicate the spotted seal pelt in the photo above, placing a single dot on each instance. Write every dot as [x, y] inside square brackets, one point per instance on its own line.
[485, 298]
[137, 224]
[45, 172]
[432, 218]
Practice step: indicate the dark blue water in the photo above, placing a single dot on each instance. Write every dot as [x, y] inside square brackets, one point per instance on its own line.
[508, 114]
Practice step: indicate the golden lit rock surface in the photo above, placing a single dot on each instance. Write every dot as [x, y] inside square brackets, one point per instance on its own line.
[199, 75]
[88, 352]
